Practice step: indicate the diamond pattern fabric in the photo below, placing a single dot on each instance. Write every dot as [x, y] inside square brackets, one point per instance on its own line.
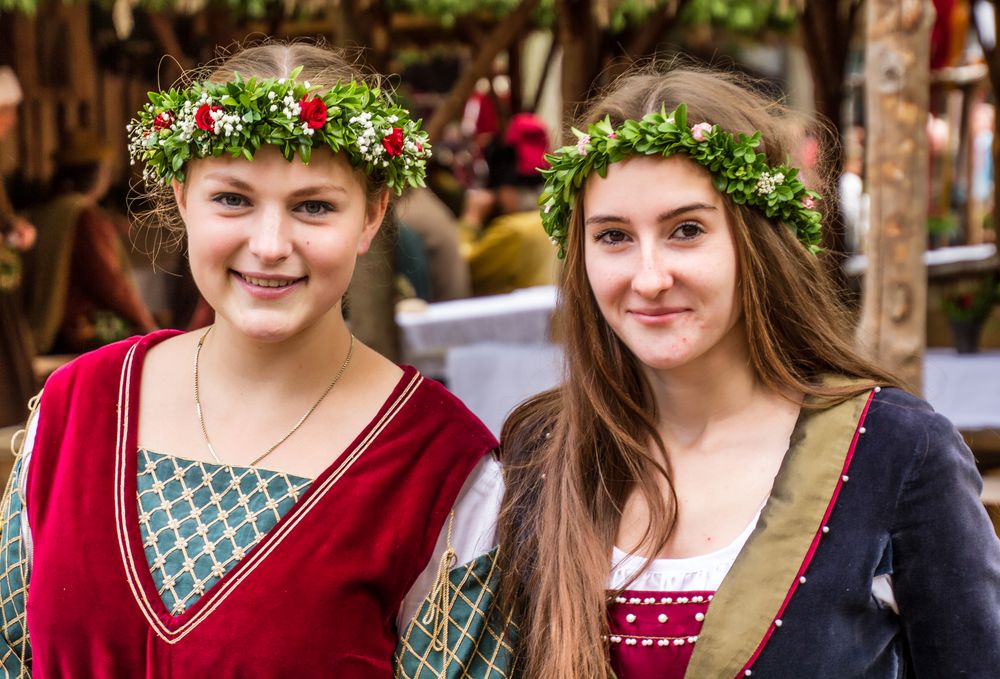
[199, 519]
[15, 649]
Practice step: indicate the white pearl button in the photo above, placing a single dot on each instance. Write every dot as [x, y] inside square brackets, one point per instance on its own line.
[699, 616]
[630, 617]
[662, 617]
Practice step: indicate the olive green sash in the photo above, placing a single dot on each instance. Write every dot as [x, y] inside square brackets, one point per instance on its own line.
[752, 595]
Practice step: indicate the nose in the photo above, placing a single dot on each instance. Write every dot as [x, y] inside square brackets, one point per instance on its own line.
[655, 274]
[270, 239]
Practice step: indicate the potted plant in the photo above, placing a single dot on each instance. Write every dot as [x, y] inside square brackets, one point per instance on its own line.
[967, 309]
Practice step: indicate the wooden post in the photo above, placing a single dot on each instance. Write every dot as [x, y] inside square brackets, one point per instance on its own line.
[897, 93]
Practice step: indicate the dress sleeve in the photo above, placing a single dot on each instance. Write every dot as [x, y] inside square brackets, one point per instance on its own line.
[15, 566]
[946, 561]
[473, 532]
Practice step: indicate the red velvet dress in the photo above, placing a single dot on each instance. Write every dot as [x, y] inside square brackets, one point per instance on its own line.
[316, 597]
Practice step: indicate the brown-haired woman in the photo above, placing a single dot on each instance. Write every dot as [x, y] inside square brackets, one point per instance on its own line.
[723, 487]
[265, 498]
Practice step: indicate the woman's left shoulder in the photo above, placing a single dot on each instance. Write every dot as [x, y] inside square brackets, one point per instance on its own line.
[898, 413]
[441, 411]
[908, 430]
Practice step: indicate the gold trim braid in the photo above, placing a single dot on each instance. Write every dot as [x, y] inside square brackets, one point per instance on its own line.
[17, 444]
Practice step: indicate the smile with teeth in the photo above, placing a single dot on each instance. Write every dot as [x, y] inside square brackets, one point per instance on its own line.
[268, 282]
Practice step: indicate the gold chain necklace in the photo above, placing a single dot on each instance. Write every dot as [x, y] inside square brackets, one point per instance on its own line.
[201, 416]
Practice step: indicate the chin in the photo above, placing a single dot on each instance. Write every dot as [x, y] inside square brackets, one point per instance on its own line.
[260, 328]
[666, 358]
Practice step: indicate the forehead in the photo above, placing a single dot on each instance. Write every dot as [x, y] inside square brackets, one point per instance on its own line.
[650, 182]
[270, 170]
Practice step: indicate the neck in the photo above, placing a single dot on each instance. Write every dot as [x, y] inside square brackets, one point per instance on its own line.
[716, 386]
[286, 366]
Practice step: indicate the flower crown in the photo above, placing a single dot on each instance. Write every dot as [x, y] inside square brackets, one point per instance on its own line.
[737, 170]
[238, 117]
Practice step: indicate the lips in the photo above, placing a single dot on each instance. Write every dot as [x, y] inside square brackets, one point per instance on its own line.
[657, 315]
[661, 311]
[267, 281]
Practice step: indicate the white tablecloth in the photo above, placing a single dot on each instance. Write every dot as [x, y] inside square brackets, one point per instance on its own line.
[964, 387]
[491, 378]
[521, 317]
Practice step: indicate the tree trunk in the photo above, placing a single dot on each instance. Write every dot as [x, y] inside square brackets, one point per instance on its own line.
[577, 34]
[827, 28]
[644, 40]
[897, 65]
[499, 39]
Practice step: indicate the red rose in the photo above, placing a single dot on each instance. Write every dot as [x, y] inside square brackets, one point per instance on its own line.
[203, 118]
[163, 121]
[393, 142]
[312, 112]
[965, 301]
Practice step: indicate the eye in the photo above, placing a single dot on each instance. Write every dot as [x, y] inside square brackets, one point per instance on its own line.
[688, 231]
[611, 236]
[315, 208]
[230, 200]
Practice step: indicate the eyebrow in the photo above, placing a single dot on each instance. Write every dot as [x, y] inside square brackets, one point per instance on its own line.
[241, 185]
[665, 216]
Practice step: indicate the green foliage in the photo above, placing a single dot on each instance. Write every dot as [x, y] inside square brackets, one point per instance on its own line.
[743, 16]
[248, 8]
[238, 117]
[971, 303]
[737, 169]
[448, 11]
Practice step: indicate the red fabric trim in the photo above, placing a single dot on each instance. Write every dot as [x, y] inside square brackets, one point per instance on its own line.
[815, 543]
[326, 603]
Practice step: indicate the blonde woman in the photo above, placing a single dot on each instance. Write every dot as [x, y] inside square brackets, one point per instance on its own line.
[267, 497]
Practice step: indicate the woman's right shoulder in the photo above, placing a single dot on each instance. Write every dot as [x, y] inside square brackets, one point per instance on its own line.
[104, 363]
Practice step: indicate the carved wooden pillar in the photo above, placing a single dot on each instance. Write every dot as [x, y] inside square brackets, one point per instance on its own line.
[897, 65]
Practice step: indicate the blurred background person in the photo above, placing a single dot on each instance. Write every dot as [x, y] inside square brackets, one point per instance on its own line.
[17, 235]
[503, 241]
[79, 291]
[424, 216]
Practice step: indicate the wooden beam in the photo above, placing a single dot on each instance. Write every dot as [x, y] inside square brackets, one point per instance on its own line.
[897, 65]
[499, 39]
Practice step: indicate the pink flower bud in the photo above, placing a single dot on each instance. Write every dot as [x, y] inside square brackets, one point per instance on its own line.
[699, 130]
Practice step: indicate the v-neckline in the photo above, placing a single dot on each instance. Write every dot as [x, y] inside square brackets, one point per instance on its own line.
[173, 628]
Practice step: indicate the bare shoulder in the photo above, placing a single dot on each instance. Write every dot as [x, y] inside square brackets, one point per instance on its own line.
[169, 356]
[372, 375]
[165, 393]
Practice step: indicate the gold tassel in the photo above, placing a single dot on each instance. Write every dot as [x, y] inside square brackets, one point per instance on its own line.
[437, 615]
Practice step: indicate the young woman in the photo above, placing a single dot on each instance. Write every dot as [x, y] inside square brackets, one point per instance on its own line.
[722, 487]
[267, 497]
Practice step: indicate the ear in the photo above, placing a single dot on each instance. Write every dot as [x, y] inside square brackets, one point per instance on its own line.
[180, 197]
[374, 214]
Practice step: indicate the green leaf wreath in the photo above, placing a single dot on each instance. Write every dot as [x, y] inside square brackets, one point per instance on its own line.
[737, 168]
[238, 117]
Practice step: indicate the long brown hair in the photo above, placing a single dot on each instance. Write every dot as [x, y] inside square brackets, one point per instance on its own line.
[575, 453]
